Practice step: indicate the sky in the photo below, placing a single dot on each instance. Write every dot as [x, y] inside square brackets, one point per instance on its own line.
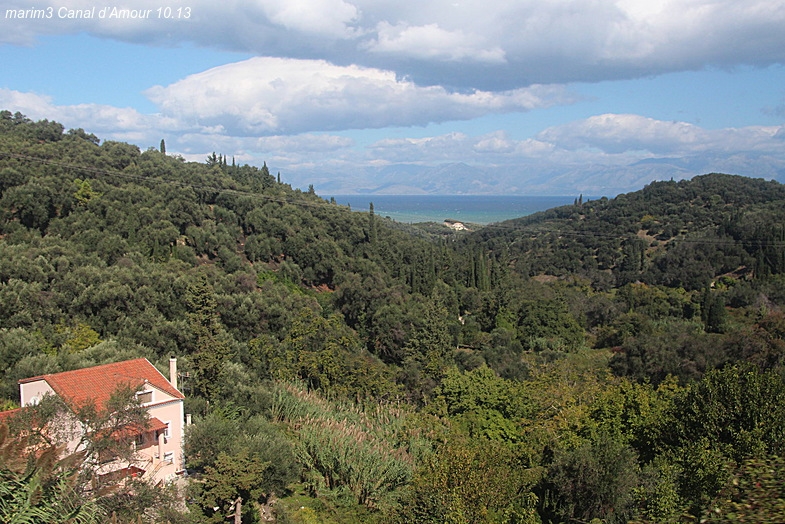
[547, 96]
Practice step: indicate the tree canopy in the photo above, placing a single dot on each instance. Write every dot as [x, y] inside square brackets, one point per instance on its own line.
[615, 359]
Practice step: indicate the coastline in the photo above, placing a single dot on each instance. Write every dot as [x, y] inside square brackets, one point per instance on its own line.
[476, 209]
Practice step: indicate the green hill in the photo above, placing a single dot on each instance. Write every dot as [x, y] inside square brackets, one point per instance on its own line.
[678, 234]
[618, 359]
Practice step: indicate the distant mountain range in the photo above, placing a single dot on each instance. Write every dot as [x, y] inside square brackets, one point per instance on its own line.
[534, 179]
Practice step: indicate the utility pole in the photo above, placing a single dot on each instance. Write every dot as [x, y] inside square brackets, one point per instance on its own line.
[238, 510]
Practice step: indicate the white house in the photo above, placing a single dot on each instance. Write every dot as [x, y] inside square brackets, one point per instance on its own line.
[158, 447]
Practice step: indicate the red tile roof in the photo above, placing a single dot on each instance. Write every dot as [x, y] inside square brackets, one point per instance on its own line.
[153, 424]
[96, 384]
[156, 425]
[5, 415]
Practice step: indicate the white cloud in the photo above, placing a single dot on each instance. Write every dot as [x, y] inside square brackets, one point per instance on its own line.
[108, 121]
[430, 42]
[609, 139]
[608, 143]
[429, 150]
[331, 18]
[267, 96]
[193, 142]
[495, 143]
[614, 134]
[620, 133]
[307, 143]
[493, 46]
[604, 140]
[33, 105]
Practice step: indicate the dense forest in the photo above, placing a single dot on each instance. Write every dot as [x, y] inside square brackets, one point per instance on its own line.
[616, 359]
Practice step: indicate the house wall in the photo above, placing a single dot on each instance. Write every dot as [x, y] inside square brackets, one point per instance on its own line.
[32, 392]
[154, 449]
[158, 396]
[172, 414]
[64, 429]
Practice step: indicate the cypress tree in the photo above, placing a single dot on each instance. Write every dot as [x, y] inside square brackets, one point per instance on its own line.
[210, 350]
[371, 225]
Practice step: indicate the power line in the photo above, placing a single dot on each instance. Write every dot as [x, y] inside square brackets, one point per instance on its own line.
[142, 178]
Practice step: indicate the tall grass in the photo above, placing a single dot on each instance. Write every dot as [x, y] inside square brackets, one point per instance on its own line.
[365, 448]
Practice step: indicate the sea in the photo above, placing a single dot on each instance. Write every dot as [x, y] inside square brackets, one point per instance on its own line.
[475, 209]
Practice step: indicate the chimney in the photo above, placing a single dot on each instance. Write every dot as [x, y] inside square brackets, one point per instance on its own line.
[173, 371]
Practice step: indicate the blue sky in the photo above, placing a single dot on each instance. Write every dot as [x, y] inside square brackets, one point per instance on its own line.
[543, 97]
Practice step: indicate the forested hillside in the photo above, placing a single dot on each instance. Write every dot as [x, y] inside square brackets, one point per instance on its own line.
[619, 359]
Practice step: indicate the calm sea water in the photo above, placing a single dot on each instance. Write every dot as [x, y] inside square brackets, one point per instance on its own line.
[479, 209]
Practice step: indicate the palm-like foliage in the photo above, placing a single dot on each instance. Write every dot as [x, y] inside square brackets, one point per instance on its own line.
[41, 488]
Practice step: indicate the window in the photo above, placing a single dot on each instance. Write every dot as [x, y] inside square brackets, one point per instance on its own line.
[139, 439]
[144, 397]
[166, 430]
[169, 457]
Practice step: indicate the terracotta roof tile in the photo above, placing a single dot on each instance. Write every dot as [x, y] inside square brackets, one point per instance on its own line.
[6, 415]
[97, 383]
[156, 425]
[153, 424]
